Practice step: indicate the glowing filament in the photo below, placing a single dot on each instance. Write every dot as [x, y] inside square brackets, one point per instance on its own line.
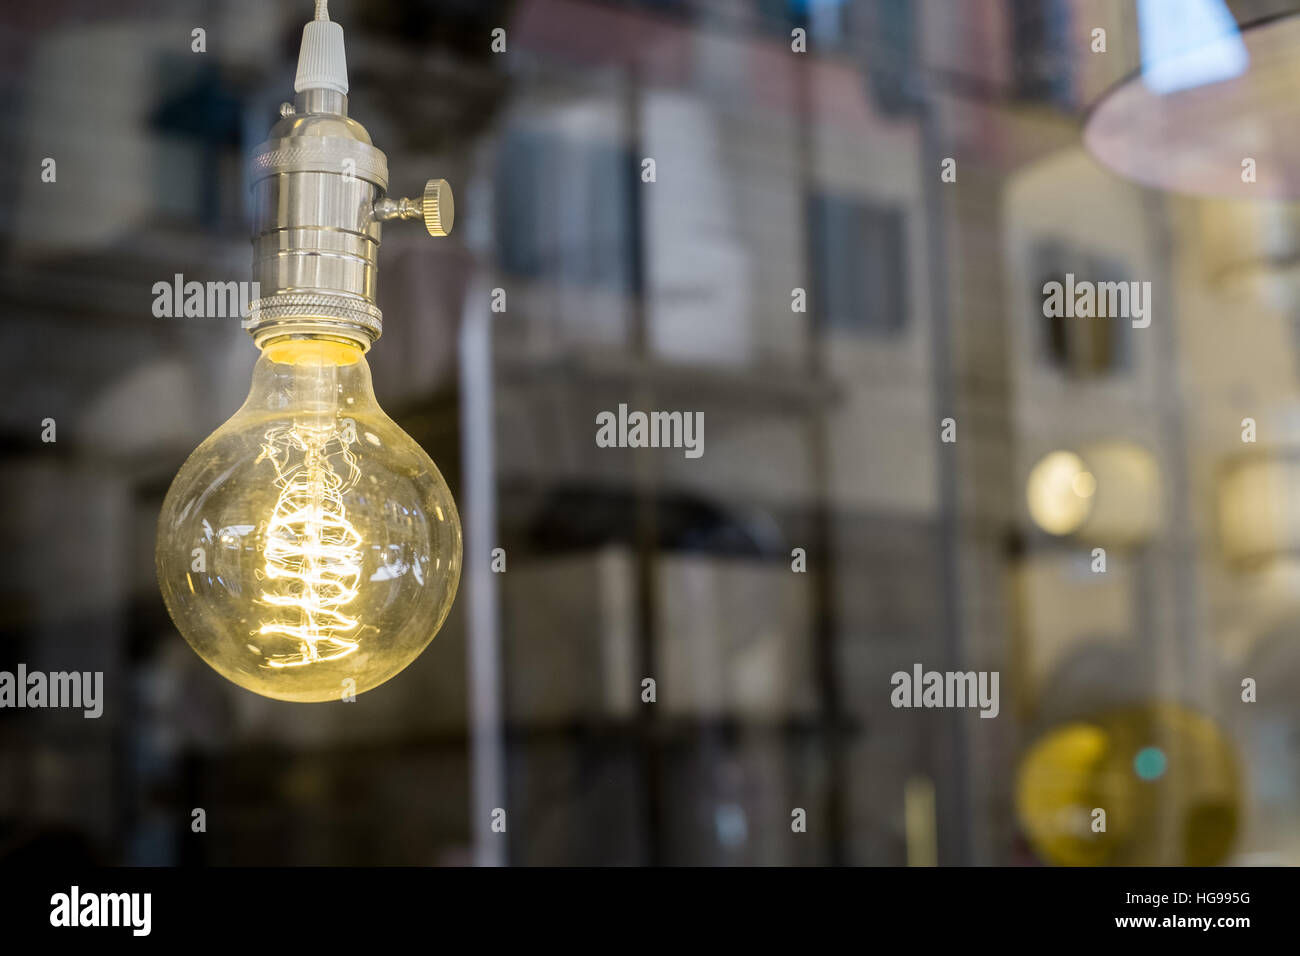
[313, 554]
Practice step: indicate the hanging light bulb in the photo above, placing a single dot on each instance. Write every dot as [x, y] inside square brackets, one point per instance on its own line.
[309, 549]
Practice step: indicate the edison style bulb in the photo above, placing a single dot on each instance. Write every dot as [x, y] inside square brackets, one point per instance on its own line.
[309, 548]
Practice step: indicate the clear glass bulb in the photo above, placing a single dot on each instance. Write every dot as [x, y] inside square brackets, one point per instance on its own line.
[309, 548]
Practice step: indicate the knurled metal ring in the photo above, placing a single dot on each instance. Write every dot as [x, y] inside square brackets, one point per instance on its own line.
[287, 311]
[323, 154]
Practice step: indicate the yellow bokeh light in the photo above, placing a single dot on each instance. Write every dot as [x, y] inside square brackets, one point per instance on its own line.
[1089, 794]
[1061, 492]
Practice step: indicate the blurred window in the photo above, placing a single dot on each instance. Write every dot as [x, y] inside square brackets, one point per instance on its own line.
[1041, 40]
[564, 210]
[892, 62]
[858, 265]
[781, 16]
[1079, 347]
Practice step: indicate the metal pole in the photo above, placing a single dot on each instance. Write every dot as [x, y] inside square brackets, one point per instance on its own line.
[482, 607]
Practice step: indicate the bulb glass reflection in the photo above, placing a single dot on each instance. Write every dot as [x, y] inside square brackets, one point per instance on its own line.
[309, 548]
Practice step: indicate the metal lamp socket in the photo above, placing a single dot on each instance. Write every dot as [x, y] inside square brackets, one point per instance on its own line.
[319, 198]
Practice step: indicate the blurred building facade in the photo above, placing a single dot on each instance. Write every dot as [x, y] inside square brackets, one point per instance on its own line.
[779, 178]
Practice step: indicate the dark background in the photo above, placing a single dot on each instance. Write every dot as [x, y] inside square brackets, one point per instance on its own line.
[775, 171]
